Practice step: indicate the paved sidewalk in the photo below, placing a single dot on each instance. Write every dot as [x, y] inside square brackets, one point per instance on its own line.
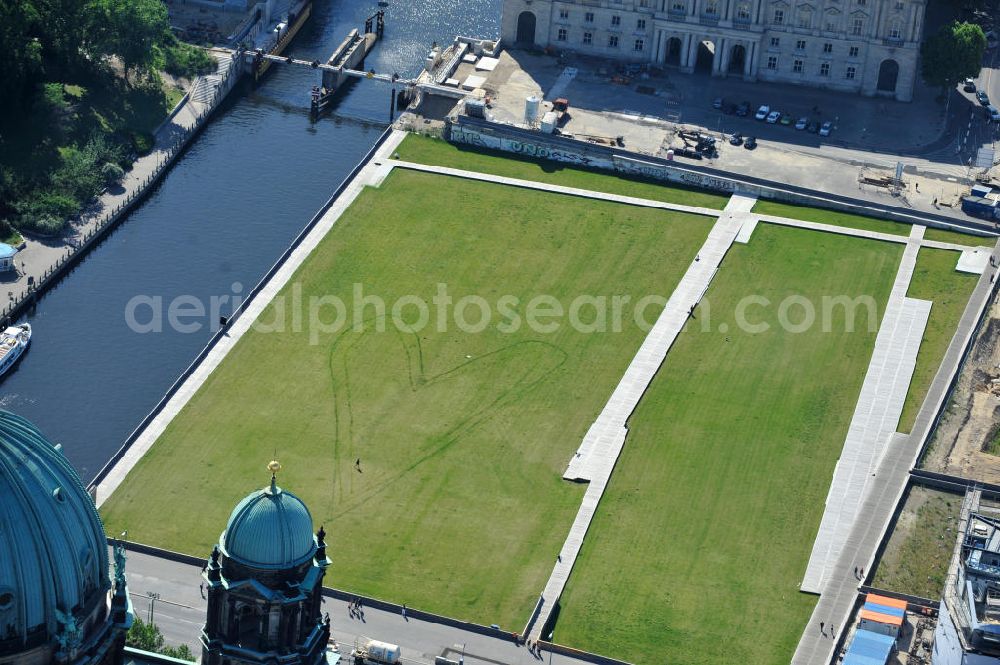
[875, 418]
[597, 455]
[371, 174]
[41, 256]
[837, 602]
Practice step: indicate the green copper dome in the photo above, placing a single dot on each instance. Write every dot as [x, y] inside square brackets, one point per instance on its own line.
[53, 551]
[271, 528]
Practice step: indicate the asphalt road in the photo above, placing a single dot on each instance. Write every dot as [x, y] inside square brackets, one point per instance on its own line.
[179, 611]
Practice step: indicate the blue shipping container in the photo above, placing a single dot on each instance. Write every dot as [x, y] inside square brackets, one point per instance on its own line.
[868, 648]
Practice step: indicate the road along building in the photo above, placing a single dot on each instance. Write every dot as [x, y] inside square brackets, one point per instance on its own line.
[862, 46]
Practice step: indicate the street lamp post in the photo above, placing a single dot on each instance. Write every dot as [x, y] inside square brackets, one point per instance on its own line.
[153, 597]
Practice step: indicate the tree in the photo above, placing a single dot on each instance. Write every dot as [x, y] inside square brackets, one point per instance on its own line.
[183, 652]
[111, 173]
[954, 53]
[145, 636]
[129, 29]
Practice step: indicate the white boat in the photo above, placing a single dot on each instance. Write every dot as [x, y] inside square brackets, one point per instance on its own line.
[13, 341]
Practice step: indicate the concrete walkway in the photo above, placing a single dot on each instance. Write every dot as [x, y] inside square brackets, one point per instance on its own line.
[558, 189]
[876, 416]
[40, 256]
[603, 443]
[840, 594]
[370, 174]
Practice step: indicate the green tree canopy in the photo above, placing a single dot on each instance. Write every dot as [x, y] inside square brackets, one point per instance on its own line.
[129, 29]
[954, 53]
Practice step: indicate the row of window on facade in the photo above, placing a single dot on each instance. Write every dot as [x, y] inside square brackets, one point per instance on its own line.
[798, 67]
[800, 45]
[743, 15]
[613, 42]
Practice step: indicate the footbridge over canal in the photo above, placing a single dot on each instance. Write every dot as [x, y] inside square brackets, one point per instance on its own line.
[346, 64]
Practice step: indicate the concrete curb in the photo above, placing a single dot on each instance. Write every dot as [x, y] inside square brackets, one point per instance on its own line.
[120, 453]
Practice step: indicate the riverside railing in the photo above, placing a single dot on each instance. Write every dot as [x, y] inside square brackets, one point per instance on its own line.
[95, 229]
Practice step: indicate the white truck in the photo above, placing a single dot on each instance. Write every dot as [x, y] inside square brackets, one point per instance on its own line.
[377, 653]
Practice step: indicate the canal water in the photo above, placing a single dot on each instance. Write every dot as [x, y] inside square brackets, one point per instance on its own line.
[225, 212]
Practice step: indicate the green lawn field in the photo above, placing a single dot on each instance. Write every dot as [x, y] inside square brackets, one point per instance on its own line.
[459, 506]
[704, 532]
[935, 279]
[425, 150]
[827, 216]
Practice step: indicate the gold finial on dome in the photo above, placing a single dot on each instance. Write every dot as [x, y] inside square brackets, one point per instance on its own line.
[274, 466]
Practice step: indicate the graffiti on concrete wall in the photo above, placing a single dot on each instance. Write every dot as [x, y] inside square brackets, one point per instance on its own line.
[539, 149]
[707, 181]
[586, 156]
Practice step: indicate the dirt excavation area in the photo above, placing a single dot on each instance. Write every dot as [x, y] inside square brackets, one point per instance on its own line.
[967, 440]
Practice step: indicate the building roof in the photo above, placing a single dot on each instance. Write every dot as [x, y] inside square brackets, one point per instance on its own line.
[888, 619]
[53, 551]
[270, 528]
[7, 251]
[886, 601]
[868, 648]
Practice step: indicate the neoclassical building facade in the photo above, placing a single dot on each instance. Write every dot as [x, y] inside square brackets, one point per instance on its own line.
[869, 47]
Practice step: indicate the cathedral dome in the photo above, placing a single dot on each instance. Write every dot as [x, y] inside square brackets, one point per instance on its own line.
[53, 551]
[271, 528]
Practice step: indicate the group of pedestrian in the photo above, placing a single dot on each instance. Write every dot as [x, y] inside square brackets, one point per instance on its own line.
[355, 609]
[534, 649]
[859, 573]
[822, 629]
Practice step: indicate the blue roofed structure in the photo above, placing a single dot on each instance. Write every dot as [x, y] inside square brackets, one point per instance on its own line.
[869, 648]
[56, 604]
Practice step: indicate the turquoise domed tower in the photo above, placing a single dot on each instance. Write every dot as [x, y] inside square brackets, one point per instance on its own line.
[265, 584]
[54, 583]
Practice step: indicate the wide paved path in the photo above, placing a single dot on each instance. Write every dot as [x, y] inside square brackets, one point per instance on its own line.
[371, 174]
[597, 455]
[836, 604]
[876, 415]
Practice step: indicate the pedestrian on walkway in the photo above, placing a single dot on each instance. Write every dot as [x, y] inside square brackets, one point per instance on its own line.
[404, 613]
[861, 573]
[822, 627]
[201, 588]
[833, 631]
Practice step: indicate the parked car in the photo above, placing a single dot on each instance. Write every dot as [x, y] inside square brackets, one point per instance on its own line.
[826, 128]
[750, 143]
[743, 110]
[969, 85]
[763, 112]
[773, 117]
[983, 98]
[801, 123]
[729, 108]
[786, 119]
[736, 139]
[992, 113]
[812, 127]
[718, 102]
